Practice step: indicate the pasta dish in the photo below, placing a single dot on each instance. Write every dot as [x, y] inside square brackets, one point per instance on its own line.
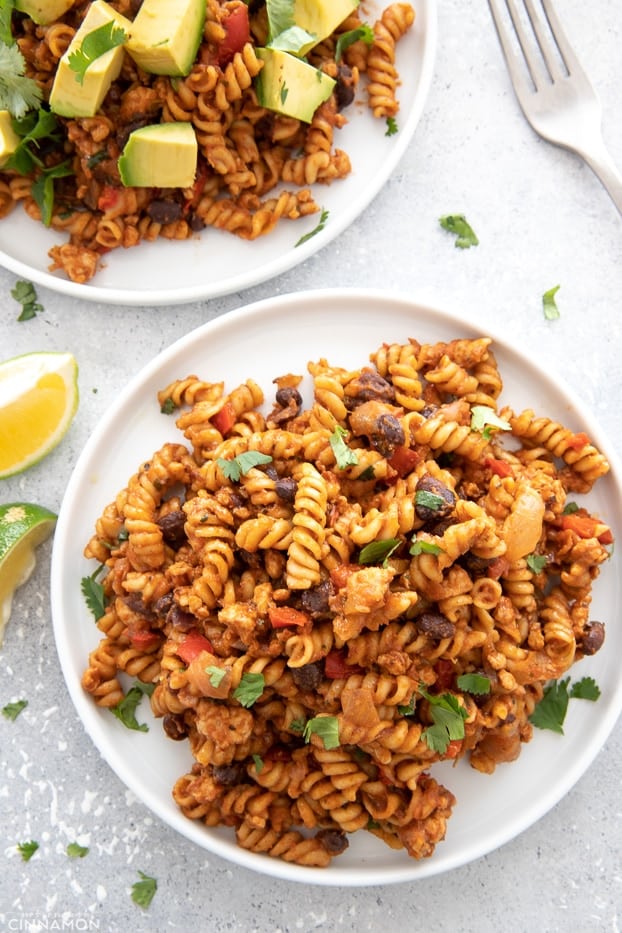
[326, 598]
[253, 165]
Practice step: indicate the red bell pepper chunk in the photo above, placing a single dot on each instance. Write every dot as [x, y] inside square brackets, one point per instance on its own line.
[285, 616]
[108, 198]
[499, 467]
[578, 440]
[238, 33]
[224, 419]
[454, 748]
[404, 460]
[586, 526]
[444, 671]
[192, 646]
[143, 638]
[336, 666]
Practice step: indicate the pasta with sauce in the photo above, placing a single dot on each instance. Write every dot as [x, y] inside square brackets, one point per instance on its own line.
[301, 620]
[255, 167]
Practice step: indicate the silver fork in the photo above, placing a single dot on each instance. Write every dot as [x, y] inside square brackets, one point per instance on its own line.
[552, 89]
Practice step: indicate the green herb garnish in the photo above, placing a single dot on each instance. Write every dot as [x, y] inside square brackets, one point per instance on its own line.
[319, 227]
[474, 683]
[43, 189]
[363, 33]
[378, 551]
[344, 455]
[74, 850]
[550, 712]
[240, 465]
[27, 849]
[549, 305]
[249, 689]
[12, 710]
[25, 295]
[536, 562]
[216, 675]
[448, 717]
[392, 127]
[125, 710]
[18, 93]
[424, 547]
[458, 224]
[486, 421]
[429, 500]
[327, 727]
[143, 891]
[93, 593]
[95, 44]
[258, 762]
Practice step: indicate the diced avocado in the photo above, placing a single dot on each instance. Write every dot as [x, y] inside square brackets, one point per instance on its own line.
[44, 11]
[321, 18]
[166, 35]
[9, 140]
[70, 98]
[163, 155]
[290, 86]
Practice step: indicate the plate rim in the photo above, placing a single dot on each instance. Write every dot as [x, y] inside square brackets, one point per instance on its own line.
[279, 264]
[334, 875]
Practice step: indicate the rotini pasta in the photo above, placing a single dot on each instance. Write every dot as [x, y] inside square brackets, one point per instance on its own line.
[301, 608]
[255, 167]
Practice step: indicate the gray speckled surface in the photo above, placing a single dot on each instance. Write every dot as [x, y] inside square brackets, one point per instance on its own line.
[542, 219]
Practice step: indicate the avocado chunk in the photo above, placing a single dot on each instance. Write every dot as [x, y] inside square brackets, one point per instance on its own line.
[43, 12]
[70, 98]
[290, 86]
[321, 18]
[163, 155]
[9, 140]
[166, 35]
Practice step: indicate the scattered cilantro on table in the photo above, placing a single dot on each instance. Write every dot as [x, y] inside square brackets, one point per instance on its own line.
[143, 891]
[25, 295]
[12, 710]
[75, 850]
[27, 849]
[458, 224]
[549, 305]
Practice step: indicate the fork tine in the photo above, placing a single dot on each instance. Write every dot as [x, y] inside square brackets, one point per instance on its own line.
[544, 40]
[570, 59]
[515, 65]
[525, 44]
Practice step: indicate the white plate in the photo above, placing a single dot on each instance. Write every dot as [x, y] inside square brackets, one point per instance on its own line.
[217, 263]
[344, 327]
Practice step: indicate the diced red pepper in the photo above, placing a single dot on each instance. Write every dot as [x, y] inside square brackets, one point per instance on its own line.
[444, 671]
[237, 29]
[586, 526]
[224, 419]
[404, 460]
[285, 616]
[578, 440]
[499, 467]
[336, 666]
[143, 638]
[454, 748]
[192, 646]
[108, 198]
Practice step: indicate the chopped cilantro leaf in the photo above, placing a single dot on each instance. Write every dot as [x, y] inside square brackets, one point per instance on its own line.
[570, 508]
[363, 33]
[392, 127]
[291, 39]
[319, 227]
[249, 689]
[429, 500]
[125, 710]
[550, 712]
[448, 721]
[216, 675]
[143, 891]
[93, 593]
[424, 547]
[549, 305]
[377, 551]
[240, 465]
[101, 40]
[585, 689]
[74, 850]
[458, 224]
[168, 406]
[25, 295]
[327, 727]
[486, 420]
[258, 762]
[536, 562]
[344, 456]
[27, 849]
[474, 683]
[12, 710]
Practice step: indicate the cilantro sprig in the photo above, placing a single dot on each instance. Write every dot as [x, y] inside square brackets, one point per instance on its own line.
[550, 712]
[364, 33]
[95, 44]
[344, 455]
[327, 727]
[18, 92]
[317, 229]
[25, 295]
[249, 689]
[448, 718]
[240, 465]
[93, 593]
[125, 710]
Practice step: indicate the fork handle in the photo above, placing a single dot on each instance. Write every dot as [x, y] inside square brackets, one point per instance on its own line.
[604, 168]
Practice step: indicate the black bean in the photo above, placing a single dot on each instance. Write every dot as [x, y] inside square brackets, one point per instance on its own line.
[334, 840]
[436, 625]
[229, 774]
[390, 434]
[285, 488]
[288, 394]
[315, 600]
[428, 511]
[308, 677]
[164, 211]
[344, 91]
[172, 527]
[183, 621]
[367, 387]
[162, 605]
[593, 637]
[174, 726]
